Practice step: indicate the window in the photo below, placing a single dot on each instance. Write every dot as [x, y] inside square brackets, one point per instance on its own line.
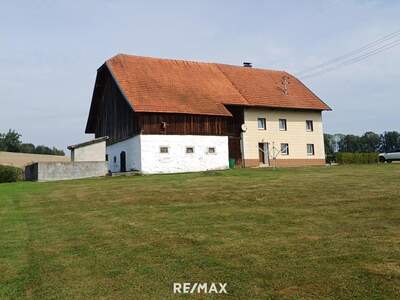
[115, 159]
[282, 124]
[189, 150]
[211, 150]
[309, 125]
[106, 157]
[285, 149]
[262, 125]
[310, 149]
[163, 149]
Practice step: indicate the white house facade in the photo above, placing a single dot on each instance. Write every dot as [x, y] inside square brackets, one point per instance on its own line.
[282, 137]
[151, 154]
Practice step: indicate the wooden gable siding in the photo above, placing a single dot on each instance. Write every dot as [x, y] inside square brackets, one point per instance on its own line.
[183, 124]
[111, 115]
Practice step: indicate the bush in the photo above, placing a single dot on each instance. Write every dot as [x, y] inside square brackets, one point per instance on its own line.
[10, 174]
[356, 158]
[330, 158]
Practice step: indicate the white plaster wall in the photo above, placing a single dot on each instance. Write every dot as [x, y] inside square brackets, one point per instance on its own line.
[93, 152]
[296, 135]
[131, 147]
[177, 160]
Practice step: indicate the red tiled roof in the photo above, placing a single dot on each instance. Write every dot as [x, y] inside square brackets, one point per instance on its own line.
[265, 88]
[177, 86]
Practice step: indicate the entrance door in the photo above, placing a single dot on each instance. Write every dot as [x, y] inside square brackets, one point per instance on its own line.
[263, 153]
[123, 161]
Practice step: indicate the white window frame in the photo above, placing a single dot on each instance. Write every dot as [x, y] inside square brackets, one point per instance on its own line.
[287, 149]
[285, 122]
[264, 123]
[311, 129]
[161, 152]
[313, 150]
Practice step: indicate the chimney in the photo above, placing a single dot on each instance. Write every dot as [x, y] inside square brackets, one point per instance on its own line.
[247, 64]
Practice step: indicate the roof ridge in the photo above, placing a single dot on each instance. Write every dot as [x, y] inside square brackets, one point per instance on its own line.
[189, 61]
[162, 59]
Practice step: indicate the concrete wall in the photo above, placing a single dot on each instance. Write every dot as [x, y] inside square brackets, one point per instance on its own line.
[50, 171]
[143, 153]
[22, 159]
[92, 152]
[133, 154]
[296, 136]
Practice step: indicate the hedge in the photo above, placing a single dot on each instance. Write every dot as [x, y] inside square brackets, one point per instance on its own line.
[356, 158]
[10, 174]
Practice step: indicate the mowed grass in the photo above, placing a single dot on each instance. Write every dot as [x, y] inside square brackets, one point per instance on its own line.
[298, 233]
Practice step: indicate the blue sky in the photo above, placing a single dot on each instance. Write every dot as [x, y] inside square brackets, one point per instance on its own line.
[50, 51]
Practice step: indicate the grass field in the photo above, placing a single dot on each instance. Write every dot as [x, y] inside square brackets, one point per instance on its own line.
[309, 233]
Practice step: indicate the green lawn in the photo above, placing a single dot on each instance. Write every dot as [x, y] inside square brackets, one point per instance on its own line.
[298, 233]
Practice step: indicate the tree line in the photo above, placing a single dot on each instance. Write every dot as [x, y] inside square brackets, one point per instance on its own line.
[11, 142]
[388, 141]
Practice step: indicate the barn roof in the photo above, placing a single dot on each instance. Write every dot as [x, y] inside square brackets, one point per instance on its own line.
[177, 86]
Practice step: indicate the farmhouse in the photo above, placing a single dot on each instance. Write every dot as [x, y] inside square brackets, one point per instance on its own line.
[165, 116]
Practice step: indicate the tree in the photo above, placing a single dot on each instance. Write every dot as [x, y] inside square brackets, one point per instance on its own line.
[389, 141]
[57, 151]
[2, 146]
[10, 141]
[329, 144]
[337, 137]
[350, 143]
[27, 148]
[41, 149]
[370, 142]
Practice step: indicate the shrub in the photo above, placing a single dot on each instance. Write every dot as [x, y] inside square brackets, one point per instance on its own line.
[330, 158]
[10, 174]
[356, 158]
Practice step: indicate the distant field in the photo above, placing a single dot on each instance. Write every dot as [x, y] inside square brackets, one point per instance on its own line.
[299, 233]
[22, 159]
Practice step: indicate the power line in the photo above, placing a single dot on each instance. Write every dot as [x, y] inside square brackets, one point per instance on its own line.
[352, 53]
[355, 59]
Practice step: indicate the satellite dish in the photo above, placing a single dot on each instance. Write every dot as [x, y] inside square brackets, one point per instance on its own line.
[244, 127]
